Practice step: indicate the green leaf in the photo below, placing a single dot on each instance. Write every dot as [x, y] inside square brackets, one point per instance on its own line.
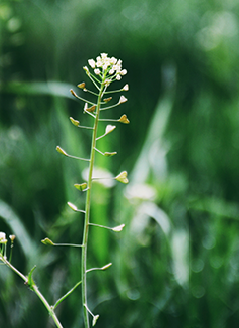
[30, 281]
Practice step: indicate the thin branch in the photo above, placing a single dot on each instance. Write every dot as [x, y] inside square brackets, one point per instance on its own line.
[82, 99]
[66, 295]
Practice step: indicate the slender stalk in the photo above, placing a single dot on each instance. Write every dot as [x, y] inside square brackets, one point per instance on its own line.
[66, 295]
[47, 306]
[105, 68]
[13, 268]
[36, 290]
[87, 213]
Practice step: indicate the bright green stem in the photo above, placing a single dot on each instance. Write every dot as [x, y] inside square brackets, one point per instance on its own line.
[66, 295]
[87, 213]
[47, 306]
[36, 290]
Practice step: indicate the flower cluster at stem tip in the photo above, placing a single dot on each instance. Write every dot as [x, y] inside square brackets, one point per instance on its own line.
[3, 238]
[105, 66]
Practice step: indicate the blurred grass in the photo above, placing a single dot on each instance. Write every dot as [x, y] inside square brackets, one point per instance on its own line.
[176, 262]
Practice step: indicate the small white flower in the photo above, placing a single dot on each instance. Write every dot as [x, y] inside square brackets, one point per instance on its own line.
[123, 72]
[2, 235]
[97, 71]
[91, 63]
[103, 55]
[116, 68]
[99, 62]
[12, 237]
[113, 60]
[105, 66]
[109, 65]
[86, 69]
[3, 238]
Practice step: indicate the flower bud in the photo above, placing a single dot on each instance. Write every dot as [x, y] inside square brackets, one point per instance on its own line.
[86, 69]
[3, 239]
[12, 237]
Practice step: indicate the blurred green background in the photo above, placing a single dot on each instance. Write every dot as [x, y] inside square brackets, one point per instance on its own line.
[176, 262]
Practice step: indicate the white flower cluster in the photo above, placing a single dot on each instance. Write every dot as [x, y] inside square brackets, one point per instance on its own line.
[109, 64]
[3, 238]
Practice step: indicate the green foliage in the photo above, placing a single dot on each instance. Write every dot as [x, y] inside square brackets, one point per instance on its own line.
[175, 264]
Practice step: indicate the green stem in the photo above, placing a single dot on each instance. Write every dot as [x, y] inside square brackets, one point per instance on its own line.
[47, 306]
[36, 290]
[66, 295]
[87, 213]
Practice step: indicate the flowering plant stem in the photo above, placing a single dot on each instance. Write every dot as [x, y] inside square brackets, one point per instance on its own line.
[87, 212]
[107, 69]
[28, 281]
